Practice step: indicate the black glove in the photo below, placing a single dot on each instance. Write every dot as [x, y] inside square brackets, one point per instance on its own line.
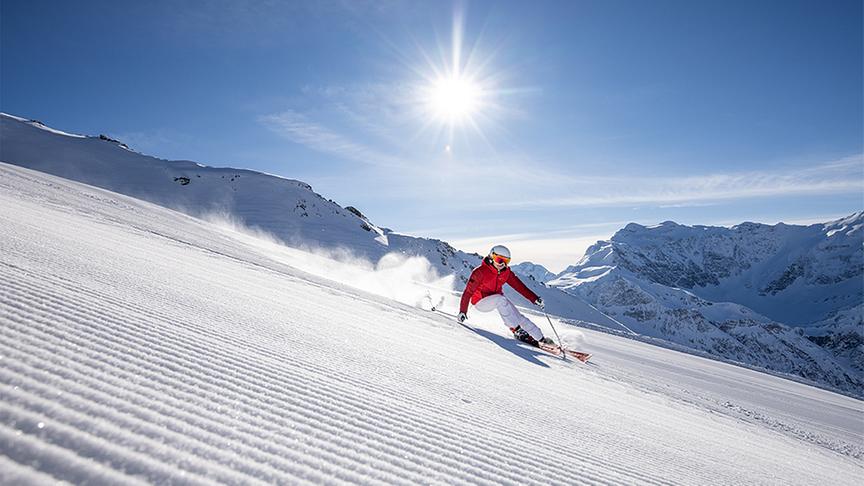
[539, 302]
[461, 317]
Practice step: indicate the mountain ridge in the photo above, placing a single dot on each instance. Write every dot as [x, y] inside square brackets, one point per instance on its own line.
[286, 208]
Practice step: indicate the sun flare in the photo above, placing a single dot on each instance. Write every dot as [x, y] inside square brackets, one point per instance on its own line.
[457, 94]
[454, 98]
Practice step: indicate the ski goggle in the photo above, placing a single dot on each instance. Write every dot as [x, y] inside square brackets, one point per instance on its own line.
[500, 259]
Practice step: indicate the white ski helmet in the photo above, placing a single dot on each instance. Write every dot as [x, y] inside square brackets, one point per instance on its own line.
[500, 250]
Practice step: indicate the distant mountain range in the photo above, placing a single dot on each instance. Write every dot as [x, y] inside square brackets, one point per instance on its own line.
[783, 295]
[785, 298]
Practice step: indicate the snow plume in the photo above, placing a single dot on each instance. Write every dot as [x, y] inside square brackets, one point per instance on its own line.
[408, 279]
[573, 339]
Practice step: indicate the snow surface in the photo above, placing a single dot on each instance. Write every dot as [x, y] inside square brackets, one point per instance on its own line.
[141, 345]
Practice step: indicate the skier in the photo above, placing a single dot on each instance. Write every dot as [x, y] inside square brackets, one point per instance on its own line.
[485, 290]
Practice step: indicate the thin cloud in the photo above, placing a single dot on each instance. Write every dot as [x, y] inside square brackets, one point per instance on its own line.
[688, 205]
[380, 109]
[567, 232]
[843, 176]
[297, 128]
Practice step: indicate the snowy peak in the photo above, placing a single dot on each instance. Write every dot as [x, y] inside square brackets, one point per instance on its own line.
[533, 271]
[849, 226]
[782, 259]
[40, 125]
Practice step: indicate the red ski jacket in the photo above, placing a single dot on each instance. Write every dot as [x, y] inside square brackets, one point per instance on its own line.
[486, 280]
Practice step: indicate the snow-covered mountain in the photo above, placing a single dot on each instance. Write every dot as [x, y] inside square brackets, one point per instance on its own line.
[286, 209]
[743, 293]
[139, 345]
[792, 274]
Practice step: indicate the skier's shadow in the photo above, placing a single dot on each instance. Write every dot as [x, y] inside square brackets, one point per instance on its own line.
[511, 345]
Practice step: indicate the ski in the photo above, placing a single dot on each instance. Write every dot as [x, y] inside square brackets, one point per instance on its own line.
[557, 350]
[582, 357]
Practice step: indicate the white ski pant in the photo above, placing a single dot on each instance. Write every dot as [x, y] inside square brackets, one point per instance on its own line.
[509, 313]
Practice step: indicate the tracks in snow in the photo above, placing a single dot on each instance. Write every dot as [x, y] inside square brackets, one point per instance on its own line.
[140, 391]
[137, 346]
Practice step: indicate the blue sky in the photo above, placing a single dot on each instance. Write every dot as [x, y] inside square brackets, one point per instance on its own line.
[579, 117]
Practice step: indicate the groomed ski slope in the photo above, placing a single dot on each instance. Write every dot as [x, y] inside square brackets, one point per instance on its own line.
[139, 345]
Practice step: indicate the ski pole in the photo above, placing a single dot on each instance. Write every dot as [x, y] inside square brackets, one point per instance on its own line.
[560, 346]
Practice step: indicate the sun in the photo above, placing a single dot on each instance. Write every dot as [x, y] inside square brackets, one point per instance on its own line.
[457, 91]
[454, 99]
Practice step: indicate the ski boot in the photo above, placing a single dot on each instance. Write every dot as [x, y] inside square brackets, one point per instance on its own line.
[523, 336]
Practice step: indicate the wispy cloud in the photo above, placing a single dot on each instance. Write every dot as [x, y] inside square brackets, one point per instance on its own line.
[382, 110]
[299, 129]
[842, 176]
[566, 232]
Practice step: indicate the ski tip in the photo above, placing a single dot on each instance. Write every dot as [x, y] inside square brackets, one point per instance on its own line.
[583, 357]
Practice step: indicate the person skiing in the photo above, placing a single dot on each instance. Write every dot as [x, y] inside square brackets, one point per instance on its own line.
[485, 290]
